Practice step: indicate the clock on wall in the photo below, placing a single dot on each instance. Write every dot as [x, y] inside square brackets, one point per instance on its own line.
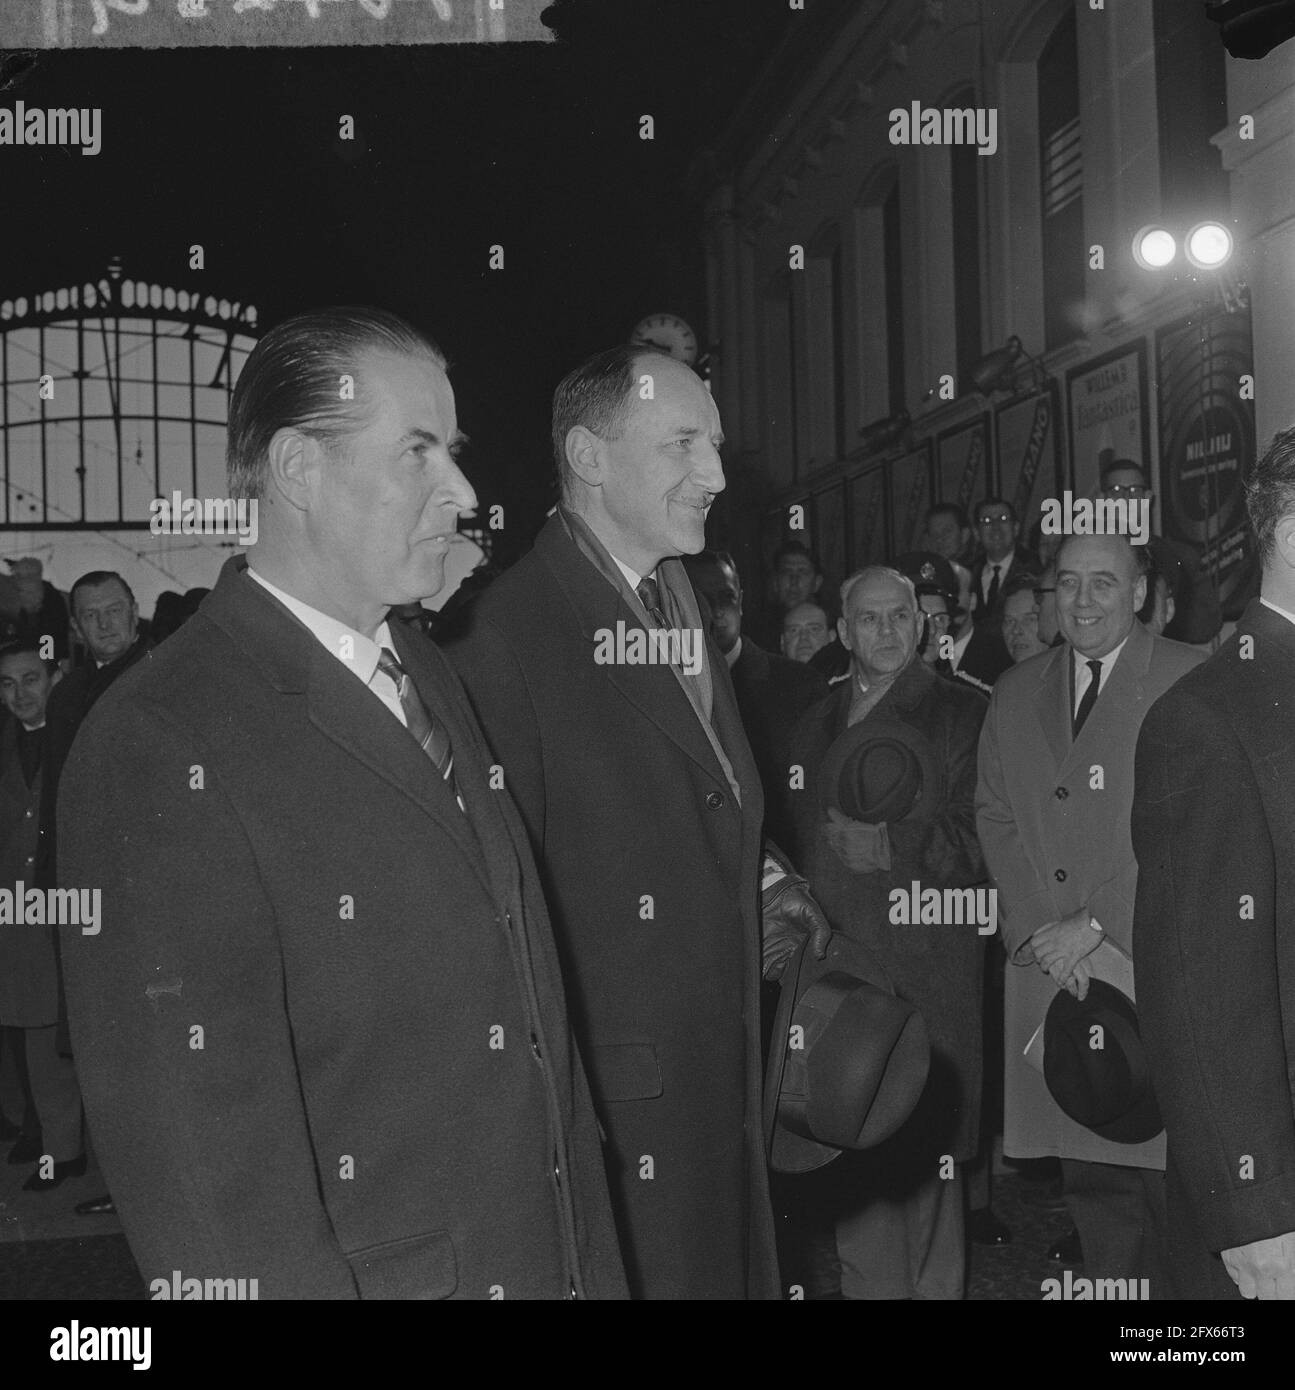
[667, 333]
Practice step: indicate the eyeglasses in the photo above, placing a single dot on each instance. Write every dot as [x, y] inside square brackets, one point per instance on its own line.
[1038, 593]
[1135, 489]
[988, 520]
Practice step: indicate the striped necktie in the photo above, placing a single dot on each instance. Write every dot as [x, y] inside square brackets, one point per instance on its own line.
[433, 737]
[649, 593]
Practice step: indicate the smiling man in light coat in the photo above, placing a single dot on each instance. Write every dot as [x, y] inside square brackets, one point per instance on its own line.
[1052, 811]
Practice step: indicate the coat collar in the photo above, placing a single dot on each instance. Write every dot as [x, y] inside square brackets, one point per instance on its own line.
[1122, 700]
[652, 690]
[1271, 631]
[293, 662]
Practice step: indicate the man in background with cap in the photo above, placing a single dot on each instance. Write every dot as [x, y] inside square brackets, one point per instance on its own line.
[890, 776]
[1214, 927]
[1056, 788]
[964, 651]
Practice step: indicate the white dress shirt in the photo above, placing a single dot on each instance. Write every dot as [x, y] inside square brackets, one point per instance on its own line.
[1084, 677]
[358, 653]
[1285, 612]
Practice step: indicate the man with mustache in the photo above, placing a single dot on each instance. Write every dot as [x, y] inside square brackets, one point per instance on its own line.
[643, 803]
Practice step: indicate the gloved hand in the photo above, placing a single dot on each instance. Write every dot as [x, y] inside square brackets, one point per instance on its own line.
[789, 914]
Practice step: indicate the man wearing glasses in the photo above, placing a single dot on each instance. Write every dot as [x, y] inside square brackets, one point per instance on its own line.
[1021, 619]
[1197, 615]
[997, 528]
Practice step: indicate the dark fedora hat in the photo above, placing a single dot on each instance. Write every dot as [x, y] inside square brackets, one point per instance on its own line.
[849, 1058]
[1095, 1065]
[883, 770]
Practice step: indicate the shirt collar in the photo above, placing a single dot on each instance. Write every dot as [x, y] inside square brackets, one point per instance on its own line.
[359, 655]
[1107, 661]
[634, 579]
[1276, 608]
[731, 656]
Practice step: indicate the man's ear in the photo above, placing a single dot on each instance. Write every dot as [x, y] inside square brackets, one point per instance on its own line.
[1139, 593]
[1170, 609]
[818, 584]
[843, 634]
[1284, 540]
[293, 463]
[585, 455]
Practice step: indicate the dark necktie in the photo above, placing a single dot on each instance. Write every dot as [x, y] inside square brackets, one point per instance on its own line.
[1090, 696]
[650, 593]
[433, 737]
[991, 596]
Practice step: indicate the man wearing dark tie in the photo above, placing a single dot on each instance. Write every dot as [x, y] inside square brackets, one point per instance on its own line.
[1053, 804]
[643, 803]
[321, 1035]
[997, 528]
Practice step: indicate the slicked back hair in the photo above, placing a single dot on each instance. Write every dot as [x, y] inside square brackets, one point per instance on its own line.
[293, 380]
[1270, 491]
[597, 394]
[91, 580]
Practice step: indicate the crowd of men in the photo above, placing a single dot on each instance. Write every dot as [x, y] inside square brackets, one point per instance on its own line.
[518, 971]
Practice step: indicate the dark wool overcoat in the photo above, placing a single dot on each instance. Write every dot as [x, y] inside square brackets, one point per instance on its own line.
[652, 873]
[1214, 940]
[937, 968]
[321, 1035]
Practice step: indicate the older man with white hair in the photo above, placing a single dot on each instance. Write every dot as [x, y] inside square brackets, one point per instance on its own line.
[889, 758]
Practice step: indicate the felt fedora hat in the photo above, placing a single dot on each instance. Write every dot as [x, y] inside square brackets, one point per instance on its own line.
[849, 1058]
[883, 770]
[1096, 1067]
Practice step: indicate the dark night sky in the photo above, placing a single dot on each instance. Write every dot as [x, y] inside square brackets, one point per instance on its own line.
[532, 146]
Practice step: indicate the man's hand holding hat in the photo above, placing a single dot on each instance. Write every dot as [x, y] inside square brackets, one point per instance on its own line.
[789, 915]
[861, 847]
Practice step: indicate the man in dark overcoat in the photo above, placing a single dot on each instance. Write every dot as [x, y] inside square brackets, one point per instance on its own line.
[29, 971]
[321, 1034]
[643, 803]
[899, 1233]
[1214, 928]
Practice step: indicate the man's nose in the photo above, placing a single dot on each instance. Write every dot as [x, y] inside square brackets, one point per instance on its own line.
[708, 471]
[457, 491]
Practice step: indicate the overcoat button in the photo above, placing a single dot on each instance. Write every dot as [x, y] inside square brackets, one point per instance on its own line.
[714, 800]
[1062, 793]
[1060, 875]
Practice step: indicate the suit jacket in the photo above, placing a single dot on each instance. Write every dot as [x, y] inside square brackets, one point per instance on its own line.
[29, 990]
[651, 869]
[984, 659]
[772, 693]
[382, 1101]
[1053, 815]
[69, 703]
[936, 968]
[1214, 929]
[1197, 614]
[1022, 559]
